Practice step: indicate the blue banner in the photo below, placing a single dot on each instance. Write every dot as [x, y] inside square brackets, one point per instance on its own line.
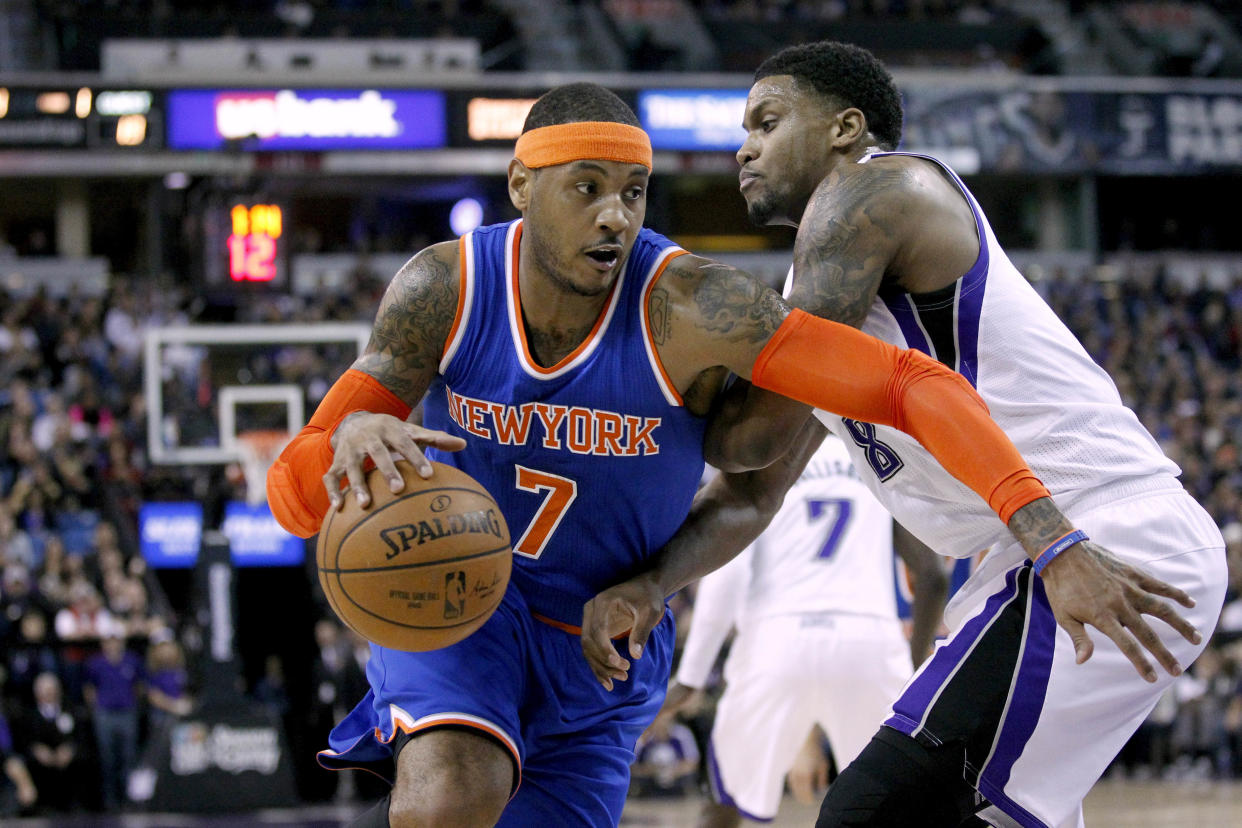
[256, 539]
[693, 119]
[170, 535]
[306, 119]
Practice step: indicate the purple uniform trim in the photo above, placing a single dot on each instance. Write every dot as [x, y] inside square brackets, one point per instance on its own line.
[718, 790]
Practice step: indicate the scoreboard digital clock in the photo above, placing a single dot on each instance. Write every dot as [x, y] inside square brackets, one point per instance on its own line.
[254, 247]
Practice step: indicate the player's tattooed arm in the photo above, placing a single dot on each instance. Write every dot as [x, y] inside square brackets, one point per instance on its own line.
[707, 317]
[407, 342]
[849, 235]
[704, 314]
[414, 319]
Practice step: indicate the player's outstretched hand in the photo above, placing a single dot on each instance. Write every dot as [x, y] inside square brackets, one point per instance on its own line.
[364, 434]
[1087, 584]
[636, 606]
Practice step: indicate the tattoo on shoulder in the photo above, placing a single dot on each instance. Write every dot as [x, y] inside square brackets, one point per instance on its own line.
[731, 303]
[413, 322]
[847, 238]
[657, 313]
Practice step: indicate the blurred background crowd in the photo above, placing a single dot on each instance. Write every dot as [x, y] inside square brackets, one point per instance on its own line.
[100, 652]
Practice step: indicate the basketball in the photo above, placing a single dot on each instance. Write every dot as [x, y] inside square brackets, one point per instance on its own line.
[419, 569]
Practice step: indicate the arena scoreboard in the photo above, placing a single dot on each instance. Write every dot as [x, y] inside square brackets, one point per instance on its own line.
[80, 117]
[254, 245]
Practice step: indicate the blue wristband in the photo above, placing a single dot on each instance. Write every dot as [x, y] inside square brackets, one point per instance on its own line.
[1058, 546]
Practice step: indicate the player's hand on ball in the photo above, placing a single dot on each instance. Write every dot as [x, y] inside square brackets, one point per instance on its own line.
[1087, 584]
[636, 605]
[363, 435]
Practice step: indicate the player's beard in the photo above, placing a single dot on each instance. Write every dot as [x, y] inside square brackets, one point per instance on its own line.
[760, 212]
[551, 263]
[765, 208]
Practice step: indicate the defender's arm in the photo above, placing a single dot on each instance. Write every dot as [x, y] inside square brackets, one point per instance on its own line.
[931, 590]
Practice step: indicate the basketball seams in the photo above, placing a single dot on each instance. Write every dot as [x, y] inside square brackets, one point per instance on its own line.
[325, 533]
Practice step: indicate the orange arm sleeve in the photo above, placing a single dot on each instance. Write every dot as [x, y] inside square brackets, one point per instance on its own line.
[842, 370]
[295, 481]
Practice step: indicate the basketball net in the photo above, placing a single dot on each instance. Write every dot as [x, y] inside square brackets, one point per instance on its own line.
[257, 450]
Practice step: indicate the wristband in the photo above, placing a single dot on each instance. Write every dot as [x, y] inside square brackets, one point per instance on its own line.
[1057, 547]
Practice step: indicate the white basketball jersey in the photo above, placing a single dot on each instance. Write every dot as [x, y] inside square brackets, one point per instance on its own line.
[1061, 410]
[828, 549]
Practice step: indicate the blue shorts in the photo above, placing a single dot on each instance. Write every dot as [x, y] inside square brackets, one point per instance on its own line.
[526, 684]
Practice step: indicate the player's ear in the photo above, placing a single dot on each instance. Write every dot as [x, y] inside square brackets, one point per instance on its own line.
[520, 180]
[851, 126]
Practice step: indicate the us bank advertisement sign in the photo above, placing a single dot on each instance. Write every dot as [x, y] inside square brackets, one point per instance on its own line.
[306, 119]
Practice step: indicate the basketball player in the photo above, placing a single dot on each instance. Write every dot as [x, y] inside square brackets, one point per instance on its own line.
[1013, 716]
[571, 357]
[818, 639]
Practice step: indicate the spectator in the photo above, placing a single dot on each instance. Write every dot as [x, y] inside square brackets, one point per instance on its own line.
[17, 597]
[31, 655]
[50, 741]
[80, 626]
[167, 682]
[113, 687]
[53, 583]
[667, 760]
[16, 547]
[17, 790]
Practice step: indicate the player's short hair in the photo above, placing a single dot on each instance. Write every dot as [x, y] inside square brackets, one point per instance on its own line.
[577, 102]
[849, 75]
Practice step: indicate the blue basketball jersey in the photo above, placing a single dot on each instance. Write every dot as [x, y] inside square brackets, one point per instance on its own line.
[594, 461]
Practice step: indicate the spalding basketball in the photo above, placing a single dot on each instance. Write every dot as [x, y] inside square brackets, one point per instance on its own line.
[419, 569]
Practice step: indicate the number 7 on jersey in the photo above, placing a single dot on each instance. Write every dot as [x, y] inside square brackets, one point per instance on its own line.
[560, 494]
[838, 509]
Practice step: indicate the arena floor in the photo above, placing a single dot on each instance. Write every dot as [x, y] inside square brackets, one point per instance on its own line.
[1112, 804]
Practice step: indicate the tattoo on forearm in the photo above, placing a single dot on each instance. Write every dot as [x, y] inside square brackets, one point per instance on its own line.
[413, 321]
[845, 242]
[1038, 524]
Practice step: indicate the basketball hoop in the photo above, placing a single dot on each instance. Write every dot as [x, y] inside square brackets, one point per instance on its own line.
[257, 451]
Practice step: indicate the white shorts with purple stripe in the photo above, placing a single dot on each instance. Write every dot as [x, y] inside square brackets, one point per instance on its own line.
[1039, 729]
[784, 675]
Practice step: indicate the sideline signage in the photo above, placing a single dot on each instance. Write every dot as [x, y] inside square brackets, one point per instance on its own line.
[170, 535]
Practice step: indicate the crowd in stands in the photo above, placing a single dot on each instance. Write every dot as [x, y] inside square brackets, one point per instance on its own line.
[95, 659]
[906, 33]
[75, 29]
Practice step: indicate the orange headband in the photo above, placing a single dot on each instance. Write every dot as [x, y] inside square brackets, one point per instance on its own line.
[601, 140]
